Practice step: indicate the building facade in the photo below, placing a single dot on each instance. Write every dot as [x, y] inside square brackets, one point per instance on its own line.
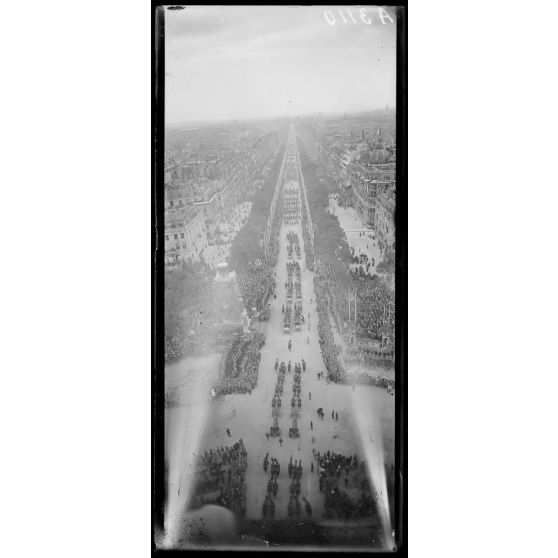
[185, 235]
[365, 174]
[207, 173]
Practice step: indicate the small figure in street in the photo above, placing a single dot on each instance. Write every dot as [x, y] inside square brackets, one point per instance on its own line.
[311, 426]
[281, 442]
[336, 416]
[303, 365]
[332, 414]
[290, 344]
[276, 364]
[308, 507]
[309, 395]
[228, 433]
[283, 309]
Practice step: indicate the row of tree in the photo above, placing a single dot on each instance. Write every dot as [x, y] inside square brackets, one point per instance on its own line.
[247, 251]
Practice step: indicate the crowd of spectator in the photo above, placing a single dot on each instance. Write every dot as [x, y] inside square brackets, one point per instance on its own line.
[220, 478]
[188, 304]
[178, 345]
[256, 285]
[376, 315]
[238, 372]
[182, 343]
[230, 224]
[339, 475]
[362, 260]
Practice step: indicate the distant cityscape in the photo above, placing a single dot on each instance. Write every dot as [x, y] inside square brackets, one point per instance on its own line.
[209, 169]
[360, 156]
[207, 172]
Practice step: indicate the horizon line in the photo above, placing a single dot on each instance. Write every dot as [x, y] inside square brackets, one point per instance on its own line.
[276, 117]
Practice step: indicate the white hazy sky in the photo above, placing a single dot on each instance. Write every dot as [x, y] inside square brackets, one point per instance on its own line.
[228, 62]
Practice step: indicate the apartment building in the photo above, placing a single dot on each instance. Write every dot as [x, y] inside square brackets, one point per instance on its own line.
[185, 235]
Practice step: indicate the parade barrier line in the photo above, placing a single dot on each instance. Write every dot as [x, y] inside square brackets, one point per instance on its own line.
[335, 371]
